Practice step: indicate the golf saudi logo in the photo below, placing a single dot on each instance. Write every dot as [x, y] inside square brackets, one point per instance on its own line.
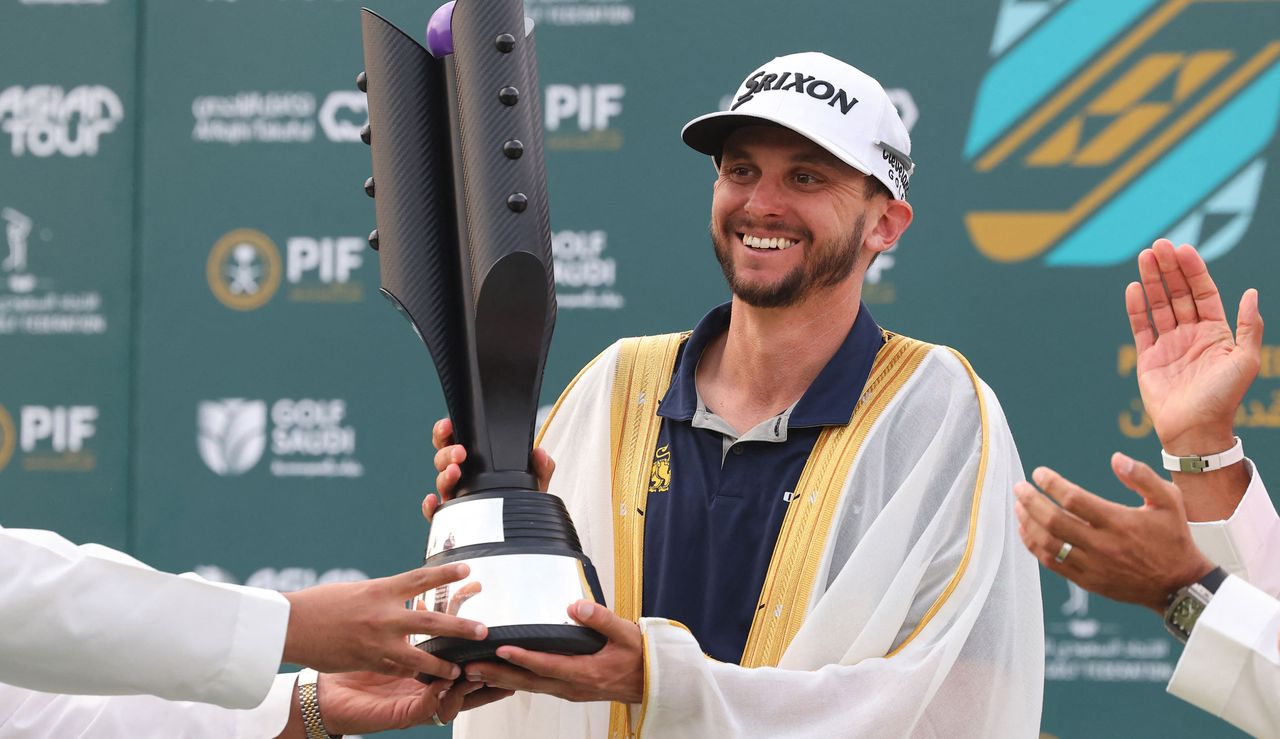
[232, 434]
[1103, 125]
[244, 269]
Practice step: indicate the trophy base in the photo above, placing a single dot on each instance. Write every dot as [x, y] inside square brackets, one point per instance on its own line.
[553, 638]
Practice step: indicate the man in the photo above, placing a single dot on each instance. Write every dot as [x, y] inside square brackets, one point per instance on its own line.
[810, 518]
[92, 621]
[1192, 375]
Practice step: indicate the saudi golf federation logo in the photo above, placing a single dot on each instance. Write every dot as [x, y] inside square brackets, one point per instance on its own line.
[231, 434]
[1103, 125]
[244, 269]
[17, 227]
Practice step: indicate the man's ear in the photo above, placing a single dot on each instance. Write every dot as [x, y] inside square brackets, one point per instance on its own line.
[889, 227]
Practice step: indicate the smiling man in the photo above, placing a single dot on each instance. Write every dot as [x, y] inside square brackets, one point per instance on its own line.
[804, 521]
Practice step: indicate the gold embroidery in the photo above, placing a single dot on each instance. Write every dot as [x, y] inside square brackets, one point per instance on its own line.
[797, 555]
[660, 472]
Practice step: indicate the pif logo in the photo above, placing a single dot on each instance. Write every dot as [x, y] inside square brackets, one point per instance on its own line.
[581, 116]
[1101, 126]
[244, 269]
[8, 437]
[53, 437]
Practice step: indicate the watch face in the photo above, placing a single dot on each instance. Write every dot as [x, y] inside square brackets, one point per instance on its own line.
[1185, 613]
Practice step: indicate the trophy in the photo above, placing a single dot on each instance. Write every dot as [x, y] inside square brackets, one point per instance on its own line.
[464, 238]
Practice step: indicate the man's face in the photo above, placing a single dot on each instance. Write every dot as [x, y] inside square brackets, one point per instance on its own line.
[787, 217]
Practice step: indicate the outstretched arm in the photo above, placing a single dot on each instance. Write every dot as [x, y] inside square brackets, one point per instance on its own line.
[1192, 371]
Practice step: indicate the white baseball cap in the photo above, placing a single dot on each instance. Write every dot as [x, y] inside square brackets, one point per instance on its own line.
[833, 104]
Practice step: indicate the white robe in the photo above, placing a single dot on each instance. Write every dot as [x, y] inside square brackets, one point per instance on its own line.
[906, 546]
[92, 620]
[1231, 665]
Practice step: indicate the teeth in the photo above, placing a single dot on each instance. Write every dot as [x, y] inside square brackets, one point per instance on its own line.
[759, 242]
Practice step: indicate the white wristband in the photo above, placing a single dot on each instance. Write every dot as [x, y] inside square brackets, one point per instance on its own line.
[1207, 463]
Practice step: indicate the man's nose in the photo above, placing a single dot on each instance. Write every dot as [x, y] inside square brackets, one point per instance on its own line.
[767, 199]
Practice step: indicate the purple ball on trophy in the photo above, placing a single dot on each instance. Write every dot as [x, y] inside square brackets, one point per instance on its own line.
[440, 31]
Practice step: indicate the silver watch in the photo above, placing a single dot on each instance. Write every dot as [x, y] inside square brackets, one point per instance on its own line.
[1186, 605]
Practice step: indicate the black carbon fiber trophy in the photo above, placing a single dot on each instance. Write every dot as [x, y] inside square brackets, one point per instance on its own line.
[465, 244]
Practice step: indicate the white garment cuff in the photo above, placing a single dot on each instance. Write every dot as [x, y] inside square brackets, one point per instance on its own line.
[673, 679]
[1239, 622]
[1234, 543]
[270, 717]
[257, 645]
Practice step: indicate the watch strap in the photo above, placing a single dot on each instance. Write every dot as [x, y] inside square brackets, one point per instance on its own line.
[1204, 463]
[1214, 579]
[309, 702]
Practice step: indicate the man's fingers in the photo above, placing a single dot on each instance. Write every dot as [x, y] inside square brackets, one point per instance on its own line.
[1135, 304]
[391, 668]
[1184, 306]
[452, 454]
[1141, 479]
[451, 702]
[543, 467]
[1249, 324]
[509, 676]
[439, 624]
[1205, 293]
[1161, 311]
[555, 666]
[416, 661]
[613, 627]
[422, 579]
[1075, 499]
[429, 506]
[484, 697]
[1056, 522]
[442, 433]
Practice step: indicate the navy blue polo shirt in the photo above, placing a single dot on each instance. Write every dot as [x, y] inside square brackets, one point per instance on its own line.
[716, 501]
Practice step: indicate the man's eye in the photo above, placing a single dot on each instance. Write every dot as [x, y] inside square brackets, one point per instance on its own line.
[806, 179]
[738, 172]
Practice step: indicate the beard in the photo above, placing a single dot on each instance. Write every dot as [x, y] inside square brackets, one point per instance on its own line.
[826, 264]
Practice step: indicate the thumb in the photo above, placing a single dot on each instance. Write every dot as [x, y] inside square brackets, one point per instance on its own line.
[595, 616]
[1141, 479]
[1249, 323]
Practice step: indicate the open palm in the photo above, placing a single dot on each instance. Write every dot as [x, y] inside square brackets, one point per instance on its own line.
[1192, 373]
[365, 702]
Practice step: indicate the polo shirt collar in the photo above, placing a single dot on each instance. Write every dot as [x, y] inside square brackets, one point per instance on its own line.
[830, 399]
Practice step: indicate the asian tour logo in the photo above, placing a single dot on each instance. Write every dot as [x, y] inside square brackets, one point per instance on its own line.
[48, 120]
[307, 437]
[245, 269]
[1102, 126]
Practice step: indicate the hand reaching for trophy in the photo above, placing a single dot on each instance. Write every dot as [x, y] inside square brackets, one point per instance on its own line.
[450, 456]
[615, 673]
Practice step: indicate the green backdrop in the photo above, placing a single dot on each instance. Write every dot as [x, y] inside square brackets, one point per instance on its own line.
[197, 367]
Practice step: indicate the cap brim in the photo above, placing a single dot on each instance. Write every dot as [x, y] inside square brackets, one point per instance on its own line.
[707, 133]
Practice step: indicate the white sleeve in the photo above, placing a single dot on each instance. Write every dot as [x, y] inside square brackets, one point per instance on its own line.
[91, 620]
[1231, 665]
[33, 715]
[1248, 543]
